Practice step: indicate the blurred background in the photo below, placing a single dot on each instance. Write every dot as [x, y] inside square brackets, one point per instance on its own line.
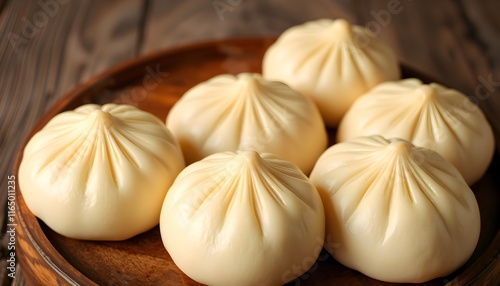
[48, 47]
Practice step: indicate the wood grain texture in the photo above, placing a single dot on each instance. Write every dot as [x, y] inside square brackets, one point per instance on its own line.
[457, 42]
[192, 21]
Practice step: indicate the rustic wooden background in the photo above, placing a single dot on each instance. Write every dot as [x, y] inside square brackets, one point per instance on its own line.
[49, 46]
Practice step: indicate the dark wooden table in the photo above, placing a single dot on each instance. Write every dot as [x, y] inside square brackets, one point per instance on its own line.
[49, 46]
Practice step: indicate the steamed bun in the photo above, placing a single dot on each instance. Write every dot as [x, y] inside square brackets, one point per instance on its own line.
[395, 212]
[242, 219]
[331, 61]
[428, 115]
[229, 113]
[100, 172]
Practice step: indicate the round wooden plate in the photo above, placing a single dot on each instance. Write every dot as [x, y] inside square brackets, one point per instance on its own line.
[154, 83]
